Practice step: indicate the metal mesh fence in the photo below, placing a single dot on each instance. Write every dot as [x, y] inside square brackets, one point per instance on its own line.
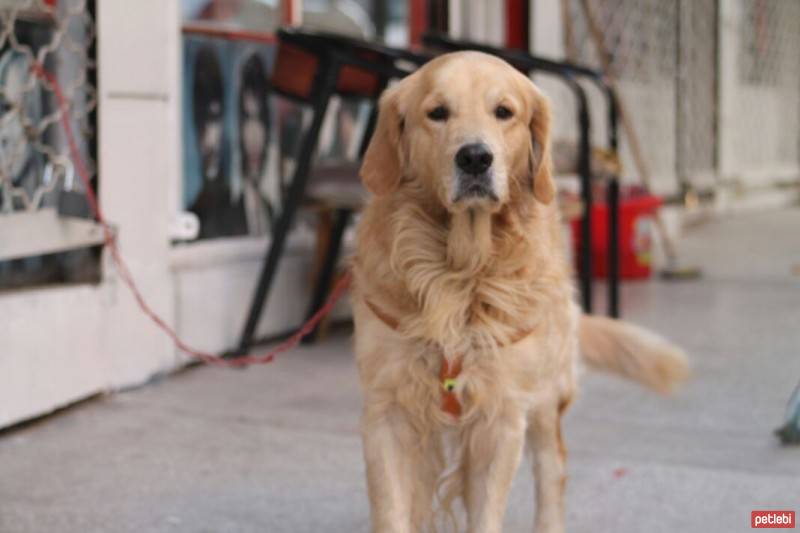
[636, 40]
[638, 35]
[763, 77]
[35, 167]
[696, 97]
[768, 43]
[711, 88]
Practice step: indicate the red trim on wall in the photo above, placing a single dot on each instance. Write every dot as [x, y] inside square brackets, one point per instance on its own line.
[517, 23]
[417, 20]
[290, 12]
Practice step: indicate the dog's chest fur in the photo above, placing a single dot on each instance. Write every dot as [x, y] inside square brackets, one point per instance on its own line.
[472, 279]
[472, 299]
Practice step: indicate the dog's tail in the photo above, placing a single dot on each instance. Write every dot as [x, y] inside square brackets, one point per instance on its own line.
[632, 352]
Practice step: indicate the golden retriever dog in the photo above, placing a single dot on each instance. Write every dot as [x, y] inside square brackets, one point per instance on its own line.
[467, 336]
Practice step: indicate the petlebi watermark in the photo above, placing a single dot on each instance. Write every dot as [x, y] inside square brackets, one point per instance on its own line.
[772, 519]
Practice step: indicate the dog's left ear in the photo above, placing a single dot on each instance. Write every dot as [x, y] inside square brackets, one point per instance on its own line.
[542, 184]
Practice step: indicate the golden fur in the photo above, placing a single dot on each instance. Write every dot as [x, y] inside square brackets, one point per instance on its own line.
[462, 279]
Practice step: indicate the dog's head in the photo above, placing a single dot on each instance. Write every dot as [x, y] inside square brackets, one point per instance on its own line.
[468, 129]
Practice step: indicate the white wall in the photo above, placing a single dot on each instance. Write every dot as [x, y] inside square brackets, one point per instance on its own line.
[214, 282]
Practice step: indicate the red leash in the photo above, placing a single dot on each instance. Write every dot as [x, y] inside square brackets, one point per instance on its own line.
[124, 273]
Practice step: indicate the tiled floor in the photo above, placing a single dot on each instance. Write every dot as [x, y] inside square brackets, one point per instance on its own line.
[276, 448]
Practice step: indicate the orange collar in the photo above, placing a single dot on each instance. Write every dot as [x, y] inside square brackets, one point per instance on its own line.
[448, 377]
[448, 374]
[386, 319]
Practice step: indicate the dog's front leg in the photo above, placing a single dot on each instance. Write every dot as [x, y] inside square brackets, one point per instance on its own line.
[493, 455]
[392, 454]
[549, 458]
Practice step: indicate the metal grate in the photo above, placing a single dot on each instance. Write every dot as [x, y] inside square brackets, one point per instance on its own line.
[46, 229]
[35, 168]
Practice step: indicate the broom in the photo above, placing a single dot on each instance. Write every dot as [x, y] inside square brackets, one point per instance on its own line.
[673, 270]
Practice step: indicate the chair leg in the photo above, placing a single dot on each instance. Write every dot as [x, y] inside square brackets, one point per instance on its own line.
[585, 172]
[327, 270]
[613, 248]
[326, 82]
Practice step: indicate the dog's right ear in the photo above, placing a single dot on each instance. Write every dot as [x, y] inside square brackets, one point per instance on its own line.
[382, 167]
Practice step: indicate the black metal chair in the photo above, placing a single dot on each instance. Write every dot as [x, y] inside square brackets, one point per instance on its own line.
[570, 74]
[310, 68]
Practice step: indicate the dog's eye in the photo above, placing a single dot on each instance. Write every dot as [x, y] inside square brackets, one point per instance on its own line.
[503, 113]
[439, 113]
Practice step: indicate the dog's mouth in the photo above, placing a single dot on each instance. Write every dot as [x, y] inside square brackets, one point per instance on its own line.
[475, 187]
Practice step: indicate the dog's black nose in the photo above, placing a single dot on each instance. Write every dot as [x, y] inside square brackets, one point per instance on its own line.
[474, 158]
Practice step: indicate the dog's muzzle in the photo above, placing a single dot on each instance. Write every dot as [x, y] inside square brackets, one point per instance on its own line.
[474, 176]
